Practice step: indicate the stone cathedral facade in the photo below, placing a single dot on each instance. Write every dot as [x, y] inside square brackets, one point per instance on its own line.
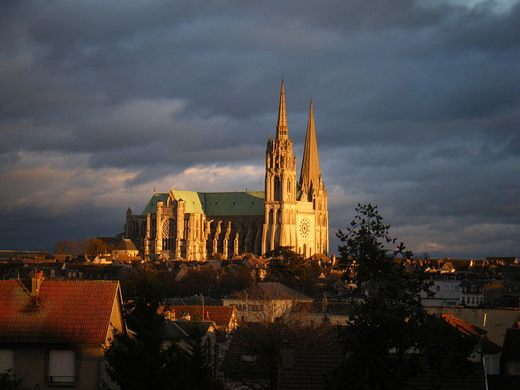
[189, 225]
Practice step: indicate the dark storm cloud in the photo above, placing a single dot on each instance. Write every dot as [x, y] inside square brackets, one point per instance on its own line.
[417, 108]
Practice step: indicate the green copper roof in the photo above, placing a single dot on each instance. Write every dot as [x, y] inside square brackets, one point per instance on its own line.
[214, 203]
[151, 207]
[233, 203]
[192, 201]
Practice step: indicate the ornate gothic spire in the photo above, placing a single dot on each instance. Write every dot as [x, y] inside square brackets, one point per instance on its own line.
[281, 128]
[310, 173]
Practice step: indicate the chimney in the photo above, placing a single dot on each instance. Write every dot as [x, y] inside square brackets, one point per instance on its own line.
[36, 282]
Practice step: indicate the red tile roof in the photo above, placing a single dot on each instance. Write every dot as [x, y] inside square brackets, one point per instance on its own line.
[66, 312]
[463, 326]
[220, 315]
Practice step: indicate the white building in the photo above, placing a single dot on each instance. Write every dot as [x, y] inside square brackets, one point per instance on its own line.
[444, 292]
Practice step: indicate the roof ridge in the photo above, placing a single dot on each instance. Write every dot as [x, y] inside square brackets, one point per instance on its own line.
[111, 281]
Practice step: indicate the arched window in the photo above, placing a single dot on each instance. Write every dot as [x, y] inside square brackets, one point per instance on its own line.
[277, 188]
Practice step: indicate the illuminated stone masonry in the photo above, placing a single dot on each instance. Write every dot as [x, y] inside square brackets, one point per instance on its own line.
[189, 225]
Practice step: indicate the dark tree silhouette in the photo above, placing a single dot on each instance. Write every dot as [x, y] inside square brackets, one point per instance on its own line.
[9, 381]
[390, 335]
[293, 270]
[141, 361]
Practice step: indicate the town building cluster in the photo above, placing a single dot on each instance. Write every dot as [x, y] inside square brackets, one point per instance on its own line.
[56, 322]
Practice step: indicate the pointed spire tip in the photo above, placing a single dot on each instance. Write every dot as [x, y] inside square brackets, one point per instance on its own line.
[282, 127]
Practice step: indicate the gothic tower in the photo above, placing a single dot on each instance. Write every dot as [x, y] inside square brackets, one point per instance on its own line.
[312, 187]
[279, 227]
[296, 213]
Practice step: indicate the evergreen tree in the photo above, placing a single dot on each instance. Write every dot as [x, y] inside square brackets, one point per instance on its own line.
[389, 335]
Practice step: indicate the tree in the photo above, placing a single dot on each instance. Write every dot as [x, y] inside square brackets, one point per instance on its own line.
[142, 361]
[70, 247]
[285, 267]
[136, 362]
[265, 342]
[293, 270]
[9, 381]
[234, 279]
[97, 246]
[389, 334]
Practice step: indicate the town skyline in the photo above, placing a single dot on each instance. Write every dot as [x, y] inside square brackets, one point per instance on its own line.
[417, 109]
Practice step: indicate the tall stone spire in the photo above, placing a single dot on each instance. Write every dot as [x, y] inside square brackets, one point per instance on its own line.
[310, 173]
[281, 128]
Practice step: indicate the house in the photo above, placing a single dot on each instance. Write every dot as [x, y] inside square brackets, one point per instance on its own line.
[494, 321]
[224, 317]
[486, 351]
[244, 367]
[265, 302]
[52, 333]
[509, 378]
[186, 334]
[309, 364]
[494, 293]
[205, 327]
[444, 291]
[125, 251]
[511, 352]
[262, 355]
[472, 292]
[305, 359]
[194, 300]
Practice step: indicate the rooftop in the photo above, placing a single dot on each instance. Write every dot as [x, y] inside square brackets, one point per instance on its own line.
[220, 315]
[213, 203]
[63, 312]
[464, 327]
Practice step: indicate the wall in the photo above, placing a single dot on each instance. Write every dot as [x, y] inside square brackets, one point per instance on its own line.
[260, 310]
[494, 321]
[31, 362]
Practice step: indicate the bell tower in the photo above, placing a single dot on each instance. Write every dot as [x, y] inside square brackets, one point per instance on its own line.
[312, 191]
[279, 227]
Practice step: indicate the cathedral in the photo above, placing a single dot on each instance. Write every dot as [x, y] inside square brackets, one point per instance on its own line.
[189, 225]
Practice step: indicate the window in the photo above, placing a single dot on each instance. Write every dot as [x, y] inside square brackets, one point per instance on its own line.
[62, 366]
[6, 360]
[248, 358]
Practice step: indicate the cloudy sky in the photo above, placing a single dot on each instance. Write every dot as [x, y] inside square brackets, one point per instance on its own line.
[417, 110]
